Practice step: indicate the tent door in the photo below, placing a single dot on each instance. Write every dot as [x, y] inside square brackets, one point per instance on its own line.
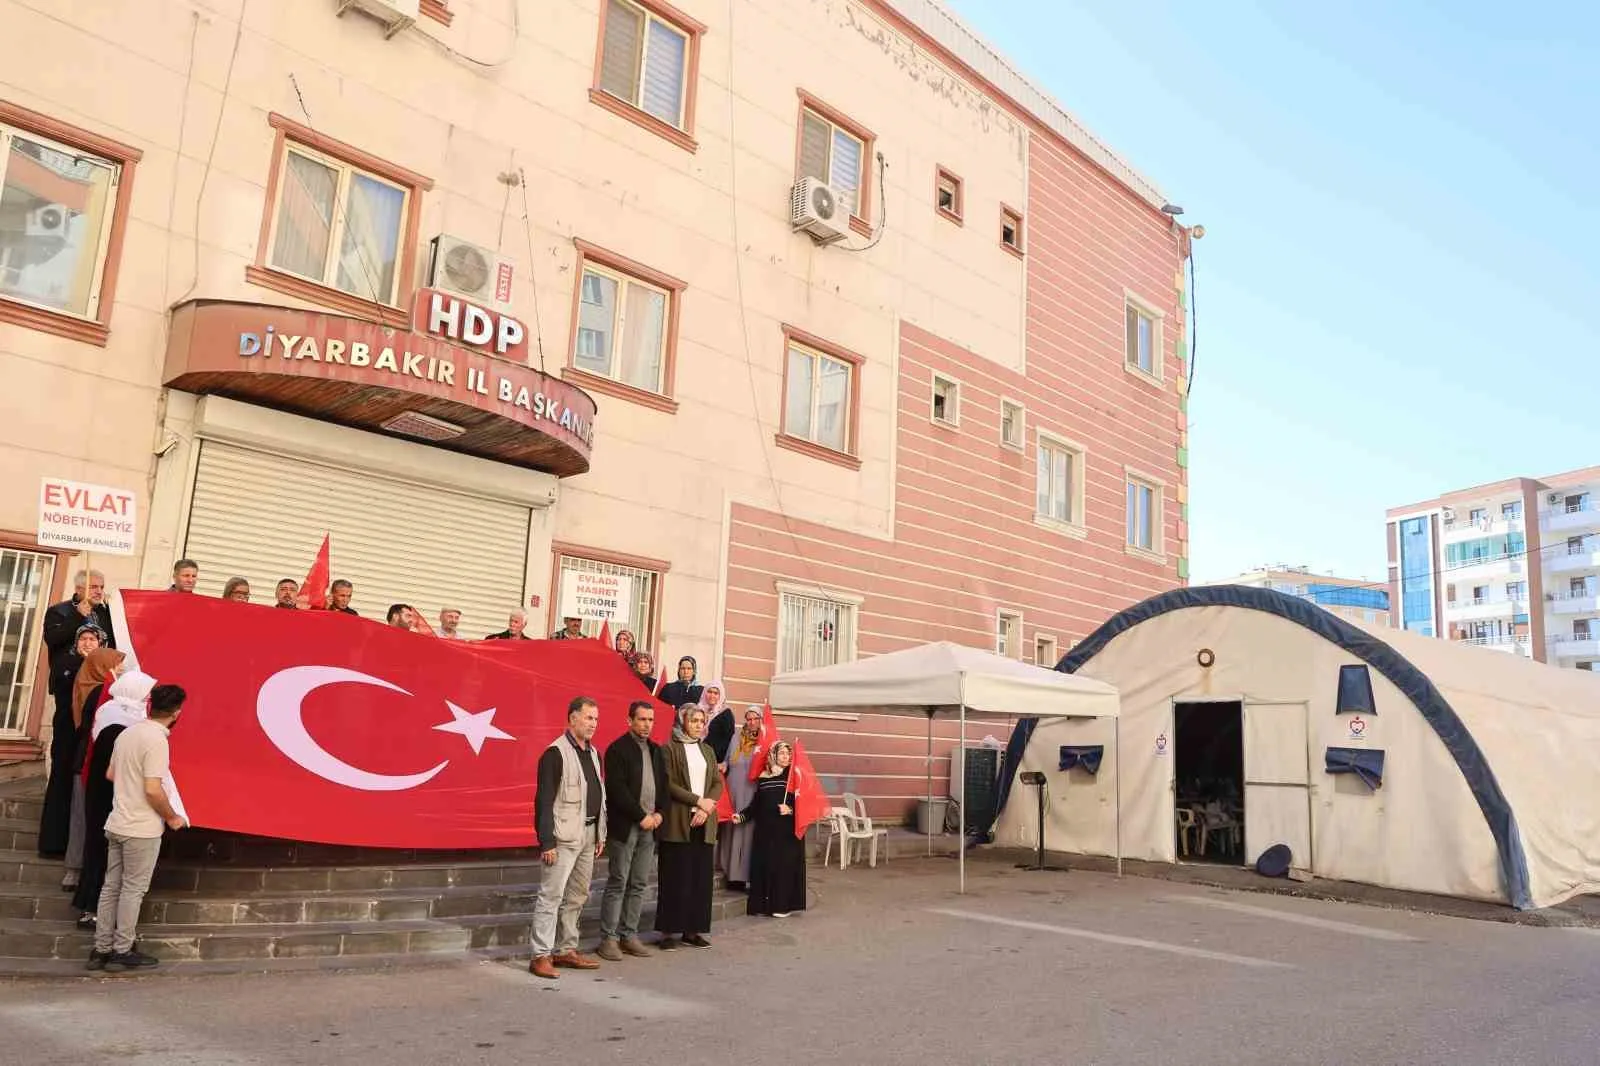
[1277, 781]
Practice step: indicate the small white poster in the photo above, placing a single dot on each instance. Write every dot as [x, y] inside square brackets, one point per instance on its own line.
[601, 597]
[87, 518]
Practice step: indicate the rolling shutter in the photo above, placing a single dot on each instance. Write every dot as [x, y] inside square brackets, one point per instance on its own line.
[262, 517]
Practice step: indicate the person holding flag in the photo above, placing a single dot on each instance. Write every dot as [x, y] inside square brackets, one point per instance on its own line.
[778, 857]
[745, 763]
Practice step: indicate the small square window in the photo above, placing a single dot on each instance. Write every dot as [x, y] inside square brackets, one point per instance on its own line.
[1011, 229]
[1144, 516]
[1060, 481]
[946, 401]
[1044, 652]
[1008, 634]
[947, 196]
[1011, 424]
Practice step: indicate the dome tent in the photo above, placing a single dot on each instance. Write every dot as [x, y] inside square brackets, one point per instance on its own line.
[1463, 772]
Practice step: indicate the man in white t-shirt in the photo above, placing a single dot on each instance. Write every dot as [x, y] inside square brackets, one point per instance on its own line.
[140, 811]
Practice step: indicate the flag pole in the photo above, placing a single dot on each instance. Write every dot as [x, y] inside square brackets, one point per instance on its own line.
[929, 766]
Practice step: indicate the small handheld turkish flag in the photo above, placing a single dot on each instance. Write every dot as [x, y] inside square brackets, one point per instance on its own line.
[725, 811]
[315, 587]
[305, 726]
[605, 635]
[810, 803]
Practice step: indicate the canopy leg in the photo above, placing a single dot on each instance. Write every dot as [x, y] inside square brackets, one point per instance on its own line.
[961, 843]
[1116, 768]
[929, 766]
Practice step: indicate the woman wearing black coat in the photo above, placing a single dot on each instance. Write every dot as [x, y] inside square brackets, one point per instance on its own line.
[687, 688]
[55, 823]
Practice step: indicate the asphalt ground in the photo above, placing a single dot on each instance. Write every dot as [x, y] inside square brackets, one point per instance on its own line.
[893, 966]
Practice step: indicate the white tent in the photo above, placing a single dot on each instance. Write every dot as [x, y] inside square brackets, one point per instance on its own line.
[1444, 769]
[948, 679]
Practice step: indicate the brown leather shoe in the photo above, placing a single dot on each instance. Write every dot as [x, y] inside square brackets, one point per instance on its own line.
[610, 951]
[541, 967]
[573, 961]
[632, 946]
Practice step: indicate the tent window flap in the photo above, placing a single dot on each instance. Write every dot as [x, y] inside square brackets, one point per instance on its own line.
[1365, 763]
[1355, 690]
[1087, 756]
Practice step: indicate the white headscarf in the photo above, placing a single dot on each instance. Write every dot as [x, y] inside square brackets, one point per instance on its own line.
[129, 703]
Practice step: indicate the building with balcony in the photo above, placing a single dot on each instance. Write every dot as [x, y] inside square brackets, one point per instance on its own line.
[1513, 566]
[815, 331]
[1355, 599]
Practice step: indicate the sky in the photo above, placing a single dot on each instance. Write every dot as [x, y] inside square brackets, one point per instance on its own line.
[1402, 213]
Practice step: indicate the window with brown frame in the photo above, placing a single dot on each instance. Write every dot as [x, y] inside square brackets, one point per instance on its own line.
[835, 149]
[64, 203]
[947, 195]
[437, 10]
[647, 59]
[821, 398]
[340, 226]
[638, 582]
[624, 328]
[1011, 229]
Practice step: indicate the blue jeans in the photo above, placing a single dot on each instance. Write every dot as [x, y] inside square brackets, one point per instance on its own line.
[627, 873]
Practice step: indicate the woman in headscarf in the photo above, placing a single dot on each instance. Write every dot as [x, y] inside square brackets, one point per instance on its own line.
[778, 857]
[733, 843]
[644, 668]
[129, 703]
[99, 668]
[687, 688]
[55, 823]
[689, 834]
[719, 722]
[625, 646]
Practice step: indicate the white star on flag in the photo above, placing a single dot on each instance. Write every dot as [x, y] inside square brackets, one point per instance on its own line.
[475, 727]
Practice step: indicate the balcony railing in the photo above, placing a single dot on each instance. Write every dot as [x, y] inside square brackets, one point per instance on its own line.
[1514, 558]
[1495, 640]
[1487, 524]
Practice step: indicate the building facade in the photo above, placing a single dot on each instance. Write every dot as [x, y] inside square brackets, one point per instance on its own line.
[1355, 599]
[537, 310]
[1513, 566]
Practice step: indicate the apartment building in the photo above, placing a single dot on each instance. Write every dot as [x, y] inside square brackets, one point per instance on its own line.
[1355, 599]
[809, 331]
[1513, 566]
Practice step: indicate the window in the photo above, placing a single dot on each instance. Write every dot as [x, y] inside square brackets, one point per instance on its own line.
[25, 582]
[1011, 424]
[947, 198]
[64, 201]
[1415, 537]
[1478, 516]
[1011, 229]
[946, 400]
[1144, 339]
[342, 224]
[1008, 634]
[645, 72]
[1577, 586]
[437, 10]
[1586, 666]
[1059, 483]
[1144, 515]
[1516, 590]
[1044, 652]
[819, 398]
[1511, 510]
[624, 328]
[815, 628]
[838, 151]
[640, 582]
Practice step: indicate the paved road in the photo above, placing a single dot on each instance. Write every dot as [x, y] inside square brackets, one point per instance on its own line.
[894, 967]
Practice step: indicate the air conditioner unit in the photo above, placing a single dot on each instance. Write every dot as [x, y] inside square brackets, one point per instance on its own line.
[470, 271]
[1554, 497]
[395, 15]
[47, 221]
[815, 208]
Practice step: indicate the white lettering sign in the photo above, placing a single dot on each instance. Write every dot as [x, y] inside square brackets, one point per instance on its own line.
[87, 518]
[601, 597]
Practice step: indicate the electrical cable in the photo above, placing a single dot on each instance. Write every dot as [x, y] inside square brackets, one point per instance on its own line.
[1194, 325]
[211, 151]
[533, 282]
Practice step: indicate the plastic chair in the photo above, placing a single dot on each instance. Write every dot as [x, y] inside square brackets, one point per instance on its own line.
[861, 828]
[1187, 823]
[838, 829]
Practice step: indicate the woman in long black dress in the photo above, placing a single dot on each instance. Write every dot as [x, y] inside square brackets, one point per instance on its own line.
[687, 837]
[99, 668]
[129, 703]
[55, 823]
[777, 856]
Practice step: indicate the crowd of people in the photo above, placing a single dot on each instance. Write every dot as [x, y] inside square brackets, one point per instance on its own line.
[641, 803]
[108, 795]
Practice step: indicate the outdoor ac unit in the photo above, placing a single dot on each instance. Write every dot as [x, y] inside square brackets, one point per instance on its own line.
[395, 15]
[467, 270]
[47, 221]
[815, 208]
[1554, 497]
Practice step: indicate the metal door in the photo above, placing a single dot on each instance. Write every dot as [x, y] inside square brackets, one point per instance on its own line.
[1277, 780]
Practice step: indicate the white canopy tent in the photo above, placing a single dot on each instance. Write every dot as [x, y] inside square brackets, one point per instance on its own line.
[952, 680]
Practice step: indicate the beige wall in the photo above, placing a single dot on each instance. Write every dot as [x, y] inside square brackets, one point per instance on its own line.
[715, 218]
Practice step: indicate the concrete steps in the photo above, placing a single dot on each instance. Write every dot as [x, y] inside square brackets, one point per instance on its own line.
[17, 834]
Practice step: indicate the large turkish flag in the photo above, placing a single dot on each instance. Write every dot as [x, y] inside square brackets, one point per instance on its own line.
[317, 726]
